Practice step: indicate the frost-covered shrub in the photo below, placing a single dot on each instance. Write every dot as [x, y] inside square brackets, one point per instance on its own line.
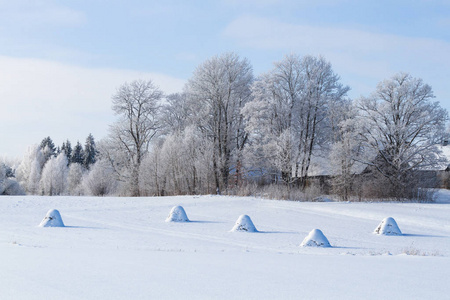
[74, 179]
[9, 185]
[293, 193]
[54, 175]
[101, 180]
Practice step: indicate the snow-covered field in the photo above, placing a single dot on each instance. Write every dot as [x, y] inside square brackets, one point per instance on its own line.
[122, 248]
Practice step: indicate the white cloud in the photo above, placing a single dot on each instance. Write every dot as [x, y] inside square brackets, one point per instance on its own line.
[41, 98]
[271, 34]
[362, 58]
[39, 13]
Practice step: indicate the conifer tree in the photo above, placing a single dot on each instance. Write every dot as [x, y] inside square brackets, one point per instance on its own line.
[66, 148]
[90, 152]
[48, 148]
[77, 154]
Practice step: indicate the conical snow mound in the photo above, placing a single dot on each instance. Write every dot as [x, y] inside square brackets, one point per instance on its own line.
[388, 227]
[315, 238]
[177, 214]
[244, 223]
[52, 219]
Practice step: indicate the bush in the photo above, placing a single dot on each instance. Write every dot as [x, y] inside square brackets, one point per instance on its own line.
[277, 192]
[10, 186]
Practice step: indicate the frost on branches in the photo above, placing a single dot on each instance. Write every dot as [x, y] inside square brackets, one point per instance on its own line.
[403, 126]
[289, 117]
[289, 133]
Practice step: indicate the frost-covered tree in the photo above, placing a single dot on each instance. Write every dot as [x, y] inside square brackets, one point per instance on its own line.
[137, 104]
[220, 87]
[346, 151]
[197, 153]
[77, 154]
[176, 113]
[28, 173]
[8, 184]
[74, 178]
[152, 173]
[9, 171]
[289, 117]
[179, 164]
[48, 148]
[402, 125]
[90, 152]
[66, 148]
[54, 176]
[100, 180]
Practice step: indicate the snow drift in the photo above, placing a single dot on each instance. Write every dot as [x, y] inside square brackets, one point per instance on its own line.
[244, 223]
[388, 227]
[315, 238]
[52, 219]
[177, 214]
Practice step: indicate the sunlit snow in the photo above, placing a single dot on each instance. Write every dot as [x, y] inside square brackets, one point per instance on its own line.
[52, 219]
[122, 248]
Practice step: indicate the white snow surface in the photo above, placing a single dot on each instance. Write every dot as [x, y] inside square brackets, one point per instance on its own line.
[388, 227]
[177, 214]
[121, 248]
[244, 223]
[315, 238]
[52, 219]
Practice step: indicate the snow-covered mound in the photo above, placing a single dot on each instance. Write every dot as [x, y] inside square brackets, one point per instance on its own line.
[177, 214]
[315, 238]
[388, 227]
[124, 242]
[52, 219]
[244, 223]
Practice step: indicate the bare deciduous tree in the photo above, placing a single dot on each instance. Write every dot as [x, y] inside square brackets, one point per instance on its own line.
[291, 111]
[137, 104]
[221, 87]
[403, 126]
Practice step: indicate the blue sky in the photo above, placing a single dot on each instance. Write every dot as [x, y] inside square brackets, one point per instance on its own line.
[60, 61]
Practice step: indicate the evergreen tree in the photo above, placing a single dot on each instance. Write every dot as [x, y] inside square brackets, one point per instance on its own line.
[77, 154]
[66, 148]
[48, 148]
[90, 152]
[9, 172]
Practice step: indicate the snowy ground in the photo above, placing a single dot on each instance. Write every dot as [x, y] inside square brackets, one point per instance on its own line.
[122, 248]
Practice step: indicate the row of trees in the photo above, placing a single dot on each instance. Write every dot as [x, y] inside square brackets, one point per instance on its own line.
[84, 156]
[49, 170]
[228, 129]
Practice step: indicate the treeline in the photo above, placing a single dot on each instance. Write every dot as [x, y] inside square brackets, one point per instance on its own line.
[232, 132]
[84, 156]
[49, 170]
